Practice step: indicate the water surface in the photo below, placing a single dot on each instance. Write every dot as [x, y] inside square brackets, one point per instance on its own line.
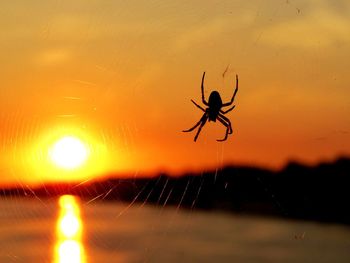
[32, 231]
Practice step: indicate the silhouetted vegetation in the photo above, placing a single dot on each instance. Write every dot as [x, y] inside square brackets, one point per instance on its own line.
[306, 192]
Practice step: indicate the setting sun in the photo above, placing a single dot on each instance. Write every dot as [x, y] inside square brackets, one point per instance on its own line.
[69, 152]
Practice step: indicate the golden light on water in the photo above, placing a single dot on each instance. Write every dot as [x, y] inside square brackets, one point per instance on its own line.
[70, 251]
[69, 247]
[70, 225]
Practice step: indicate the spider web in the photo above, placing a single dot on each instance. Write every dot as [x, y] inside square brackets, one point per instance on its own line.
[162, 219]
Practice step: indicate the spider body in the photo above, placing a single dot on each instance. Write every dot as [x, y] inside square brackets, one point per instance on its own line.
[214, 111]
[214, 105]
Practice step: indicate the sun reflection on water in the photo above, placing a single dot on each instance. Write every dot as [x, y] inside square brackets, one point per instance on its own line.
[69, 247]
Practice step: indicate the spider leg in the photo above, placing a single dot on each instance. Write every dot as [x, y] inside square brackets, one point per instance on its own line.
[197, 105]
[202, 88]
[228, 129]
[204, 117]
[234, 94]
[204, 120]
[227, 121]
[226, 111]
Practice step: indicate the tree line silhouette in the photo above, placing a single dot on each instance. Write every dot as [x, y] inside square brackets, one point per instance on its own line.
[319, 192]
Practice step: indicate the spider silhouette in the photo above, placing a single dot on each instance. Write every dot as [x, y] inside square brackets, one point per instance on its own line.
[214, 111]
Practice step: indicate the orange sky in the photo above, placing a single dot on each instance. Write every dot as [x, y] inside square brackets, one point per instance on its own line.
[120, 76]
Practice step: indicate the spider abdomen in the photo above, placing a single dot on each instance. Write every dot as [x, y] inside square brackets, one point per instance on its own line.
[215, 104]
[215, 100]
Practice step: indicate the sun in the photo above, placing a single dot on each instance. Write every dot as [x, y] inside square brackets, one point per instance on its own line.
[69, 152]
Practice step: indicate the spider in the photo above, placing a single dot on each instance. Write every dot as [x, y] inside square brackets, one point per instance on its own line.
[214, 111]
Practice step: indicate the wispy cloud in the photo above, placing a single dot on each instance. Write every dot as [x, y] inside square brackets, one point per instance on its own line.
[52, 56]
[213, 29]
[322, 27]
[201, 33]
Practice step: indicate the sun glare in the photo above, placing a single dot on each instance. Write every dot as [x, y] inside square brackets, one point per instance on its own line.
[69, 152]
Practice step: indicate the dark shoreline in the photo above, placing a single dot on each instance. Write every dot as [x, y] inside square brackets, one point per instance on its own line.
[320, 193]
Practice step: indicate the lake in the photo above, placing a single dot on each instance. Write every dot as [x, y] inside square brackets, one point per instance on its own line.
[70, 230]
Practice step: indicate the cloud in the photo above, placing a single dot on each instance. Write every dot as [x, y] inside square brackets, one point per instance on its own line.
[202, 33]
[51, 57]
[321, 27]
[213, 29]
